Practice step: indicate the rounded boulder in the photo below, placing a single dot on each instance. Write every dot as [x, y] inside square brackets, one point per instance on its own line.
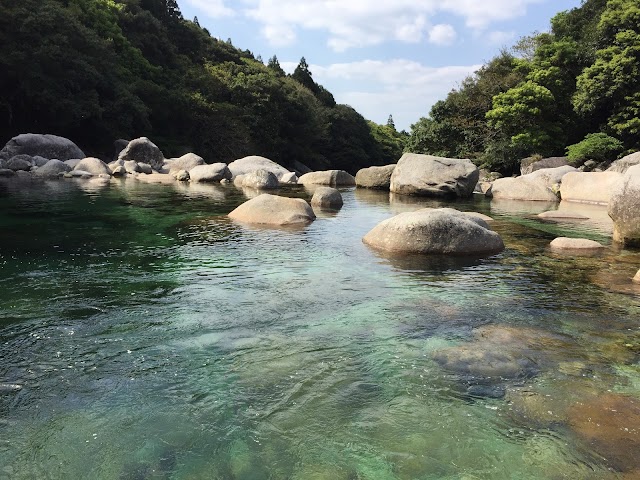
[94, 166]
[143, 150]
[375, 177]
[273, 210]
[327, 197]
[331, 178]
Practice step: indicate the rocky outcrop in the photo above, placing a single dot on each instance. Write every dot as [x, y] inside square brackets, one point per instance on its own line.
[143, 150]
[254, 162]
[435, 231]
[186, 162]
[209, 173]
[530, 165]
[426, 175]
[259, 179]
[53, 168]
[332, 178]
[624, 208]
[375, 177]
[94, 166]
[565, 243]
[589, 187]
[47, 146]
[625, 163]
[537, 186]
[327, 197]
[273, 210]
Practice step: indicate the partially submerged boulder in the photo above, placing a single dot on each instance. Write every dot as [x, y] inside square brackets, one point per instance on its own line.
[143, 150]
[94, 166]
[589, 187]
[259, 179]
[53, 168]
[375, 177]
[565, 243]
[186, 162]
[269, 209]
[209, 173]
[426, 175]
[327, 197]
[530, 165]
[624, 208]
[254, 162]
[560, 215]
[537, 186]
[47, 146]
[332, 178]
[435, 231]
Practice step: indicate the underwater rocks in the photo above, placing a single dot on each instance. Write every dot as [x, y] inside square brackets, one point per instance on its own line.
[558, 215]
[624, 208]
[435, 231]
[269, 209]
[564, 243]
[333, 178]
[375, 177]
[327, 197]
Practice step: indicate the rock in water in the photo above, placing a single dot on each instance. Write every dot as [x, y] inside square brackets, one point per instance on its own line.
[20, 162]
[52, 168]
[254, 162]
[536, 186]
[375, 177]
[269, 209]
[333, 178]
[209, 173]
[143, 150]
[426, 175]
[624, 208]
[589, 187]
[565, 243]
[185, 162]
[94, 166]
[327, 197]
[435, 231]
[260, 180]
[47, 146]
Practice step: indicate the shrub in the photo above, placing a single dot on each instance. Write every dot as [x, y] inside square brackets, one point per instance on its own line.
[595, 146]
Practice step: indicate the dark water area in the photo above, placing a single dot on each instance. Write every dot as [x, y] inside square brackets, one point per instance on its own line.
[143, 335]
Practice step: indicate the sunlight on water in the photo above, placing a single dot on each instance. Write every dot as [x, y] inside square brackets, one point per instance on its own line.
[144, 335]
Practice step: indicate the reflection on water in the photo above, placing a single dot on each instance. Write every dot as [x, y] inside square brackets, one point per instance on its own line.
[144, 335]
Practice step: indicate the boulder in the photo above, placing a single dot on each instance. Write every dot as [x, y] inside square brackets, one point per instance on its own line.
[269, 209]
[145, 168]
[333, 178]
[289, 178]
[636, 279]
[624, 208]
[589, 187]
[327, 197]
[260, 180]
[209, 173]
[530, 164]
[39, 161]
[435, 231]
[47, 146]
[73, 162]
[19, 162]
[536, 186]
[161, 178]
[254, 162]
[93, 166]
[238, 180]
[559, 215]
[53, 168]
[143, 150]
[131, 166]
[564, 243]
[185, 162]
[118, 171]
[5, 172]
[426, 175]
[182, 176]
[375, 177]
[622, 165]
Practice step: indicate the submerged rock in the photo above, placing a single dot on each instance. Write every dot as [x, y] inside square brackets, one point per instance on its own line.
[589, 187]
[47, 146]
[327, 197]
[269, 209]
[565, 243]
[559, 215]
[435, 231]
[143, 150]
[375, 177]
[427, 175]
[333, 178]
[624, 208]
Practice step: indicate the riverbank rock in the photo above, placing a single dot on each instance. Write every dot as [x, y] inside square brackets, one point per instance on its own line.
[94, 166]
[530, 164]
[209, 173]
[624, 208]
[375, 177]
[537, 186]
[47, 146]
[259, 179]
[589, 187]
[53, 168]
[565, 243]
[327, 197]
[186, 162]
[143, 150]
[254, 162]
[269, 209]
[426, 175]
[625, 163]
[435, 231]
[332, 178]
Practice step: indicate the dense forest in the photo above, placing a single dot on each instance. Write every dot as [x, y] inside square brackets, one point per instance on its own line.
[98, 70]
[577, 86]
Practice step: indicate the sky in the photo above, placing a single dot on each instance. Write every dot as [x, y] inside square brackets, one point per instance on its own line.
[382, 57]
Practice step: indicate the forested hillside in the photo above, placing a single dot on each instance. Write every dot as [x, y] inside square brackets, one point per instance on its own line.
[98, 70]
[549, 92]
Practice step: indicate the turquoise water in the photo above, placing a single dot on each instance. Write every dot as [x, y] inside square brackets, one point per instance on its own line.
[145, 335]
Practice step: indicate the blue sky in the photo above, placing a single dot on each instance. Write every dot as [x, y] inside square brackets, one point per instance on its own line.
[381, 57]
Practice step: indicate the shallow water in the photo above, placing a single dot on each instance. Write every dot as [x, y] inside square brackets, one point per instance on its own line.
[144, 335]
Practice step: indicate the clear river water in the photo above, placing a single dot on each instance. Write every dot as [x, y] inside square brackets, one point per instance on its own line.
[143, 335]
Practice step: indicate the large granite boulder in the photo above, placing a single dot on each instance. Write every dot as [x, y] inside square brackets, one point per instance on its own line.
[537, 186]
[254, 162]
[430, 176]
[143, 150]
[624, 208]
[209, 173]
[259, 179]
[435, 231]
[332, 178]
[622, 165]
[185, 162]
[94, 166]
[47, 146]
[375, 177]
[53, 168]
[327, 197]
[589, 187]
[273, 210]
[530, 165]
[20, 162]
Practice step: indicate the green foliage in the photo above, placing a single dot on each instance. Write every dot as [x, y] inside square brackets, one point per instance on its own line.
[595, 146]
[391, 142]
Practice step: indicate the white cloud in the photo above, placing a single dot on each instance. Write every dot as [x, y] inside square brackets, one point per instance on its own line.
[212, 8]
[442, 34]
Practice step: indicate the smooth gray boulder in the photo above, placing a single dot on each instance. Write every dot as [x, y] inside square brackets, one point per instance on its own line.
[537, 186]
[143, 150]
[327, 197]
[19, 162]
[53, 168]
[273, 210]
[333, 178]
[565, 243]
[73, 162]
[254, 162]
[47, 146]
[529, 165]
[624, 208]
[426, 175]
[259, 179]
[289, 178]
[625, 163]
[589, 187]
[39, 161]
[131, 166]
[209, 173]
[375, 177]
[145, 168]
[93, 166]
[185, 162]
[435, 231]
